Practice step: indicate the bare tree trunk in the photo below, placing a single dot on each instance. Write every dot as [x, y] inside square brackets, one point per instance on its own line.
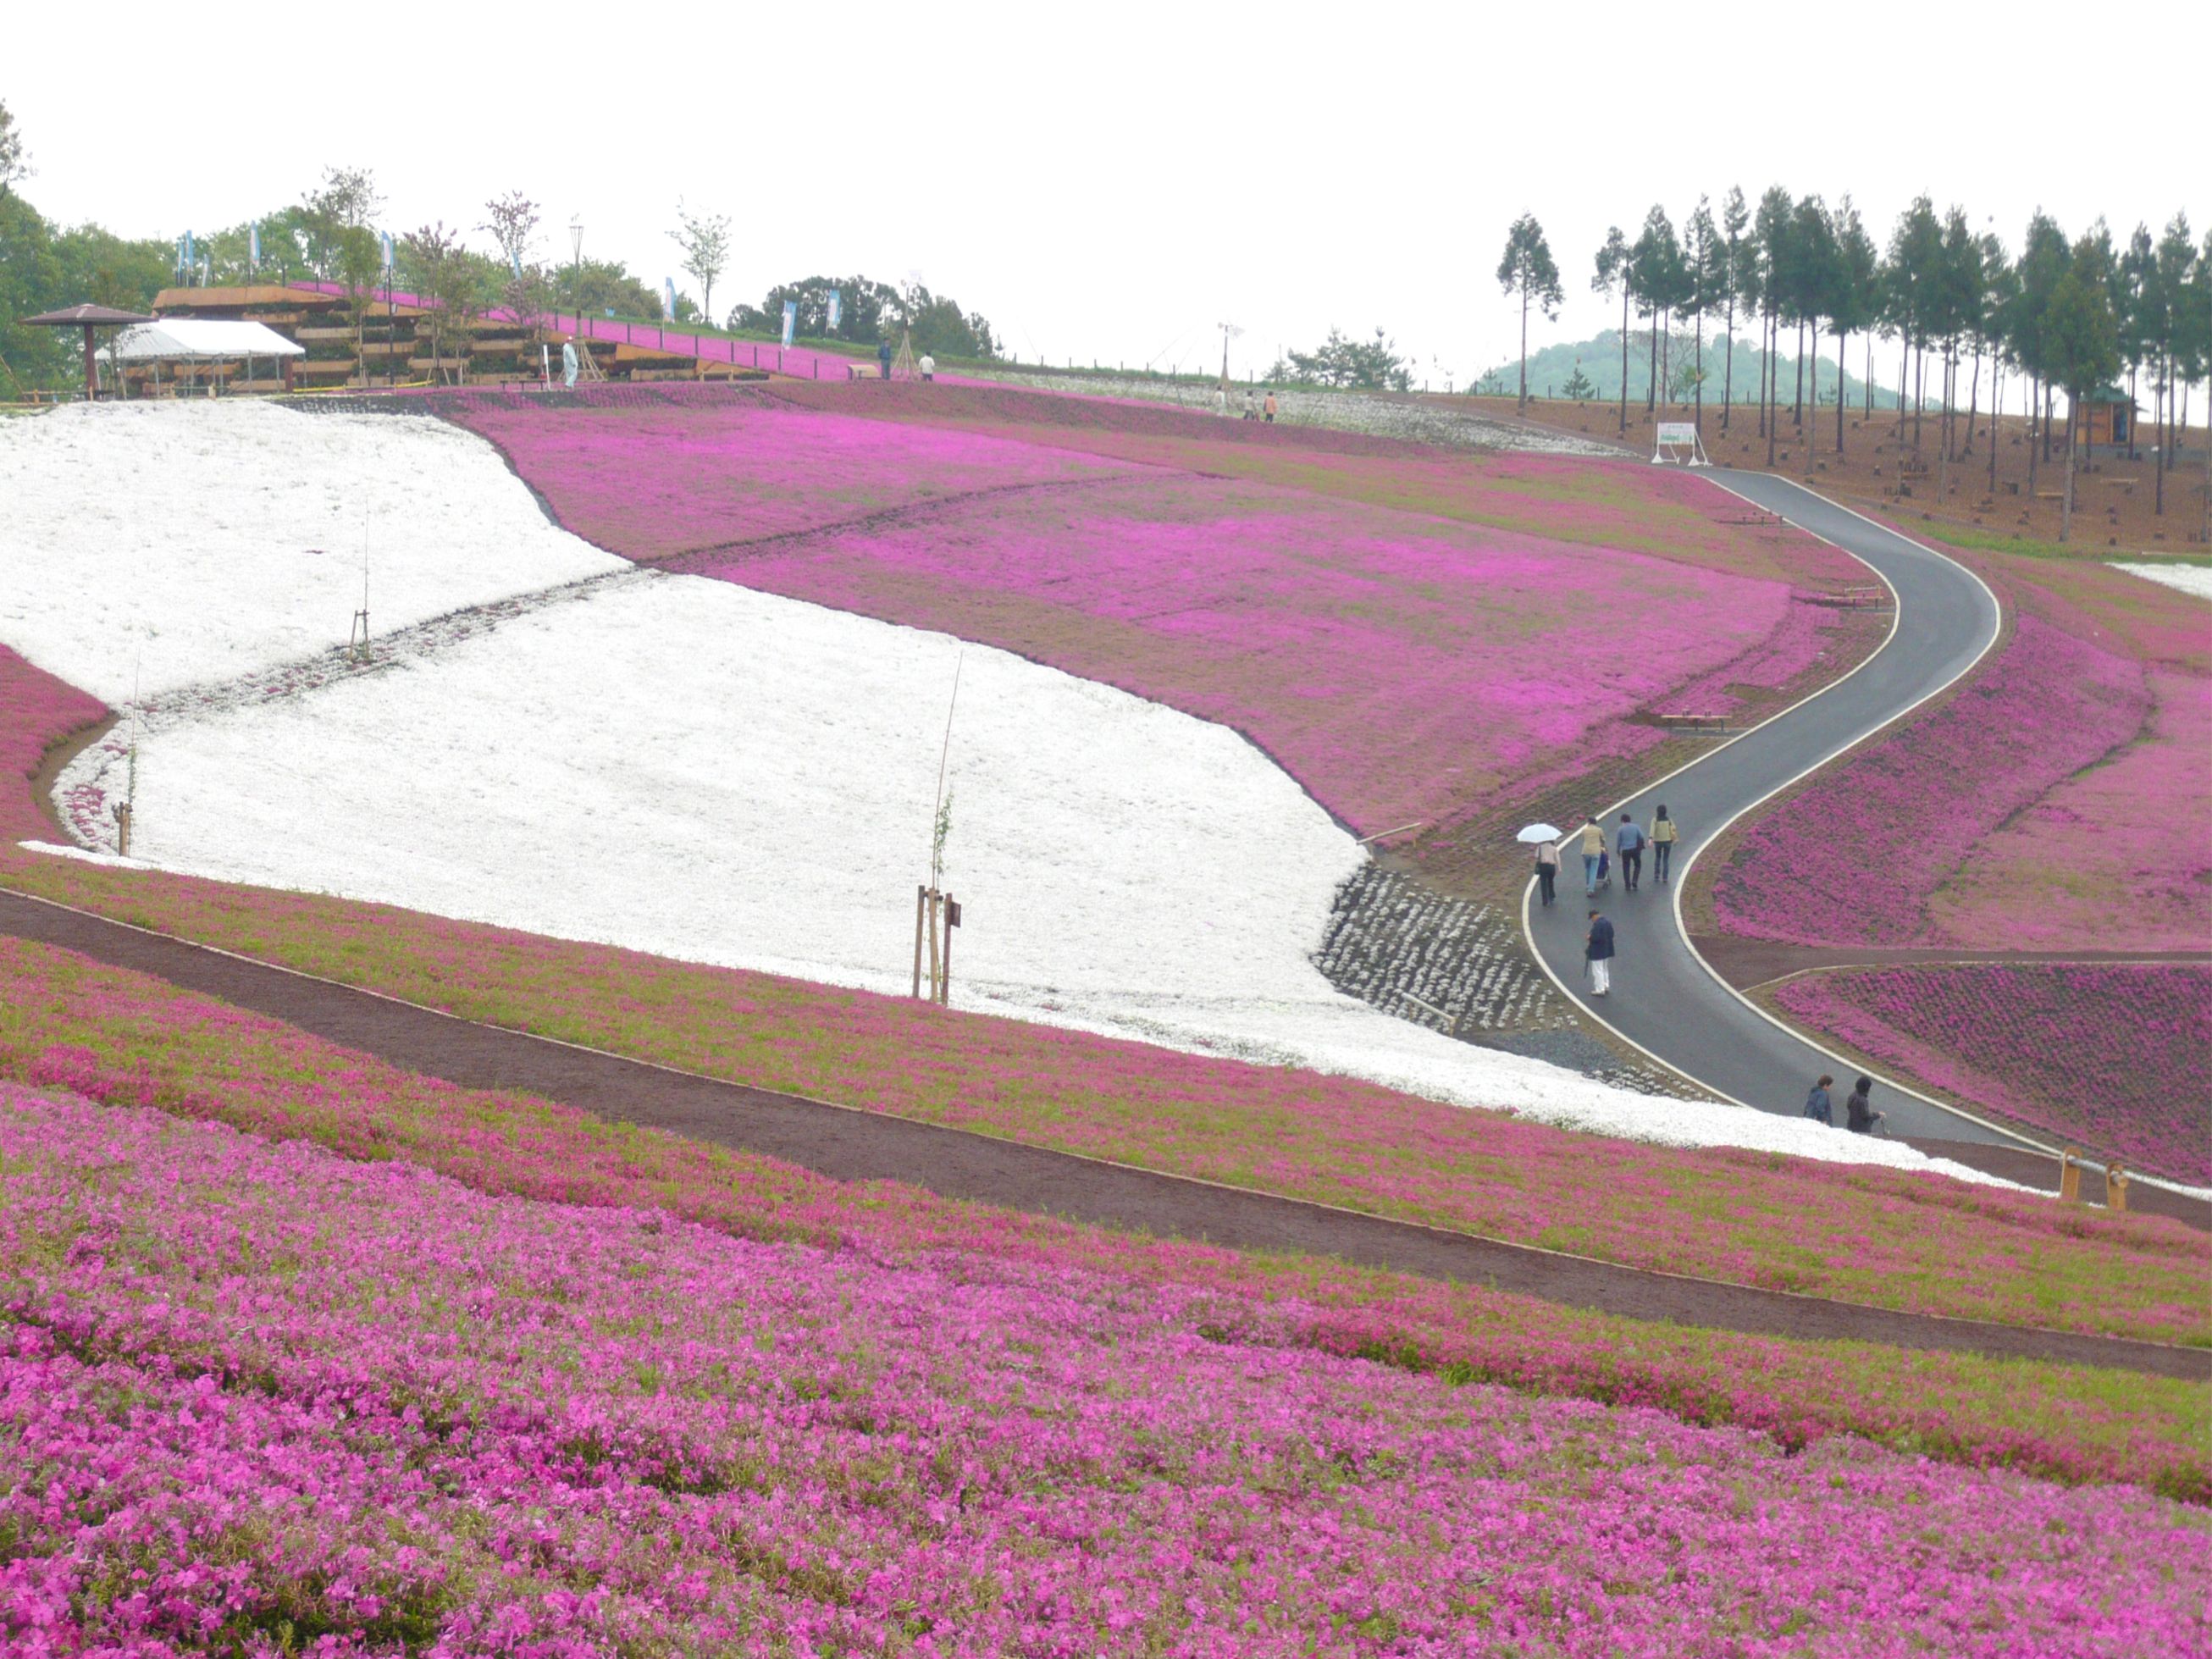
[1797, 398]
[1701, 376]
[1652, 379]
[1973, 403]
[1524, 408]
[1904, 364]
[1623, 359]
[2132, 370]
[1774, 387]
[1919, 390]
[2165, 443]
[1842, 338]
[1997, 416]
[2066, 506]
[1728, 373]
[2034, 413]
[1762, 373]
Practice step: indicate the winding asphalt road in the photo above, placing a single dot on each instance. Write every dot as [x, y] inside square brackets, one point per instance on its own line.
[1664, 998]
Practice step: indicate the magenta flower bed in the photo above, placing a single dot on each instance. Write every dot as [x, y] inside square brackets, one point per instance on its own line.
[1854, 858]
[2116, 1059]
[652, 480]
[36, 711]
[256, 1396]
[1401, 666]
[2110, 859]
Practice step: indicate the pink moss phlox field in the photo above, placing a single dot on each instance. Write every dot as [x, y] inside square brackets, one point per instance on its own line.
[2116, 1058]
[1853, 859]
[1918, 1243]
[36, 711]
[120, 1039]
[1399, 666]
[659, 480]
[255, 1394]
[2106, 861]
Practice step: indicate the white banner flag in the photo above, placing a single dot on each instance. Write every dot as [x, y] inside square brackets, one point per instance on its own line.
[790, 318]
[836, 309]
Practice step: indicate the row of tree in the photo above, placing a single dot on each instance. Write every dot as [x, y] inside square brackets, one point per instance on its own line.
[329, 234]
[2065, 316]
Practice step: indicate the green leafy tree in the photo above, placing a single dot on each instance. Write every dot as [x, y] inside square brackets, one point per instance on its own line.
[432, 260]
[2136, 300]
[1736, 217]
[1708, 283]
[1349, 365]
[1912, 277]
[512, 221]
[868, 311]
[1579, 387]
[1613, 270]
[1808, 277]
[704, 240]
[2083, 350]
[1661, 277]
[1855, 290]
[1999, 297]
[1528, 268]
[1763, 286]
[2168, 324]
[2044, 257]
[15, 160]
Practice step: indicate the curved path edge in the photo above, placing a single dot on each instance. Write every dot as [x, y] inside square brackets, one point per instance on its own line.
[853, 1143]
[1668, 1001]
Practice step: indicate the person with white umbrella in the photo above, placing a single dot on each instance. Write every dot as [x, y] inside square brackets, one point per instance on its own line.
[1547, 841]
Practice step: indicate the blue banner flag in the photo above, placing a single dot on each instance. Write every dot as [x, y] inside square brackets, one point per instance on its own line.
[836, 308]
[253, 248]
[515, 260]
[790, 318]
[387, 254]
[668, 283]
[185, 255]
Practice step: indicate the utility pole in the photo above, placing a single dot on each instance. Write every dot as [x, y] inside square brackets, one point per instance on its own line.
[1229, 331]
[576, 271]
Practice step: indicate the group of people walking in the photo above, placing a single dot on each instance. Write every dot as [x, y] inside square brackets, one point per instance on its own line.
[1627, 841]
[1254, 409]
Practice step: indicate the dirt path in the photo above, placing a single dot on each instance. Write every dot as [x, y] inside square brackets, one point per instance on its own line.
[848, 1144]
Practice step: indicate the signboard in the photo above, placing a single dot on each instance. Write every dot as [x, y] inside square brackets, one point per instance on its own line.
[1678, 433]
[836, 308]
[790, 319]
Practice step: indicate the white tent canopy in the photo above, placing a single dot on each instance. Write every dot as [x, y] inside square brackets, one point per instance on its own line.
[186, 339]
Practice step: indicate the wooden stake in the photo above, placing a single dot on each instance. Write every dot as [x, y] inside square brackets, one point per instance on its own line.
[921, 907]
[935, 971]
[2116, 1187]
[945, 990]
[2070, 1175]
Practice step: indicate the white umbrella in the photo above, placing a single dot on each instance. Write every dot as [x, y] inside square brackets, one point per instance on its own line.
[1536, 832]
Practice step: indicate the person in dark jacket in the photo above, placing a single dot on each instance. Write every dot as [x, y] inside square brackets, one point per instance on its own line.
[1859, 1115]
[1597, 951]
[1628, 841]
[884, 357]
[1818, 1106]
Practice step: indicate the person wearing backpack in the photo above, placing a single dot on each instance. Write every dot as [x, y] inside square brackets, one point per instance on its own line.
[1628, 841]
[1662, 835]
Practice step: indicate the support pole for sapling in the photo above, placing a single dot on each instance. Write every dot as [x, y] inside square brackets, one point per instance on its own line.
[936, 967]
[2070, 1176]
[920, 920]
[2116, 1187]
[122, 810]
[952, 921]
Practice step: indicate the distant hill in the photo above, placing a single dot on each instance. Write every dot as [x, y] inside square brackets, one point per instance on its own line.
[1550, 369]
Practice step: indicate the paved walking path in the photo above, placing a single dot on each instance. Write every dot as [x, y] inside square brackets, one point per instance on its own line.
[1663, 999]
[849, 1143]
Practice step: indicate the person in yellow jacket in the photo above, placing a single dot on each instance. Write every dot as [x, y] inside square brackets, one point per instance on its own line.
[1661, 836]
[1593, 851]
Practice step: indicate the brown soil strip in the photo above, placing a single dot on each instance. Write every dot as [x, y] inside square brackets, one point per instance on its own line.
[852, 1145]
[1747, 962]
[60, 753]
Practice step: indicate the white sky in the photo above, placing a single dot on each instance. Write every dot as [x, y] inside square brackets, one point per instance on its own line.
[1113, 181]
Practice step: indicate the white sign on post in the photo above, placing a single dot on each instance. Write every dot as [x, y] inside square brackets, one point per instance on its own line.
[1679, 435]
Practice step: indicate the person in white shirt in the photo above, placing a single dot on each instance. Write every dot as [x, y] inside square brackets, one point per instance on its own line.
[928, 367]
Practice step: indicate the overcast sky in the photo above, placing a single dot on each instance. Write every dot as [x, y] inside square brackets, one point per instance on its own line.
[1112, 182]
